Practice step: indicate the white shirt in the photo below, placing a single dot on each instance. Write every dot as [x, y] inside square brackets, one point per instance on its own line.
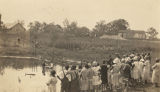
[61, 75]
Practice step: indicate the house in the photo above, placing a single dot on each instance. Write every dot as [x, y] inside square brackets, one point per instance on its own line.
[14, 35]
[132, 34]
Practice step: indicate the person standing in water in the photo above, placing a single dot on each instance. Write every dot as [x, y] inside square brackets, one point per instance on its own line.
[52, 82]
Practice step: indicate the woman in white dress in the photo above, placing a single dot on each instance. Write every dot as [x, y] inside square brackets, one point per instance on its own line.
[115, 76]
[156, 73]
[135, 72]
[146, 71]
[96, 78]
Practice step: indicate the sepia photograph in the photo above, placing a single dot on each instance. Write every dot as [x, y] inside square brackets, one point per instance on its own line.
[79, 45]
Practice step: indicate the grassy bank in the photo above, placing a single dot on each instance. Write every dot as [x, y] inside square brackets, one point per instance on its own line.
[94, 48]
[81, 48]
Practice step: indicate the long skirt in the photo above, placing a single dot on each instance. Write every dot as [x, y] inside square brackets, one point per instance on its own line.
[136, 74]
[155, 77]
[52, 88]
[146, 75]
[90, 84]
[109, 77]
[115, 79]
[74, 86]
[96, 80]
[83, 85]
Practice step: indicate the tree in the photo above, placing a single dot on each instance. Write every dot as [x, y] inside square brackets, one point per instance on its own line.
[110, 28]
[99, 28]
[152, 33]
[70, 27]
[114, 26]
[82, 32]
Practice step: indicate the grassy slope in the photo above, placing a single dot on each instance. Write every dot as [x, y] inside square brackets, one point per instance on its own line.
[99, 49]
[83, 48]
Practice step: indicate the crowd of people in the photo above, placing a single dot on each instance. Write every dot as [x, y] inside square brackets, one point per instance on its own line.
[114, 74]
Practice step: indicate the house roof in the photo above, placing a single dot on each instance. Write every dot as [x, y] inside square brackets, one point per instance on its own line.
[131, 31]
[13, 25]
[10, 25]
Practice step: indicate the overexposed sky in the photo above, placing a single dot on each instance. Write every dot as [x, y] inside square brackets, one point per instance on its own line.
[141, 14]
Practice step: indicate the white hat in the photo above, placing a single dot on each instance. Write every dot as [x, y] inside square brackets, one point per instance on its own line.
[94, 63]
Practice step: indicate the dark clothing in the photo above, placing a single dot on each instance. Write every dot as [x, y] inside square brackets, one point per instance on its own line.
[74, 84]
[126, 70]
[103, 72]
[110, 61]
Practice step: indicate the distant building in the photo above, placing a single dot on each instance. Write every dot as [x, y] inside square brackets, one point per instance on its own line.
[132, 34]
[14, 35]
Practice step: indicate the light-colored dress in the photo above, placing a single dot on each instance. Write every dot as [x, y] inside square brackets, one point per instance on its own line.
[52, 84]
[137, 71]
[115, 75]
[146, 71]
[90, 75]
[83, 80]
[140, 68]
[96, 77]
[156, 73]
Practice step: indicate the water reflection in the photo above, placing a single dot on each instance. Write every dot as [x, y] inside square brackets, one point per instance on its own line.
[25, 76]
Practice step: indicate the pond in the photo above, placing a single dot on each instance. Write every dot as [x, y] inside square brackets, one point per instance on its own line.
[17, 75]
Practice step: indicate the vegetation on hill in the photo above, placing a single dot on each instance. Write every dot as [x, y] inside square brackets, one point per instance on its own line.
[80, 43]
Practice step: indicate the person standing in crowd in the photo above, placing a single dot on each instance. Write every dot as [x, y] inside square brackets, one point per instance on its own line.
[117, 59]
[156, 73]
[146, 70]
[90, 75]
[135, 72]
[110, 60]
[115, 75]
[65, 79]
[52, 82]
[140, 68]
[74, 84]
[96, 77]
[104, 75]
[83, 78]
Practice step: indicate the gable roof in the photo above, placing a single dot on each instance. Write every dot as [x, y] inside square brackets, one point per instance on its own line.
[10, 26]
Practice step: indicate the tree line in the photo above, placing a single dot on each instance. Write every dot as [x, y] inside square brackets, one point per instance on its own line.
[72, 28]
